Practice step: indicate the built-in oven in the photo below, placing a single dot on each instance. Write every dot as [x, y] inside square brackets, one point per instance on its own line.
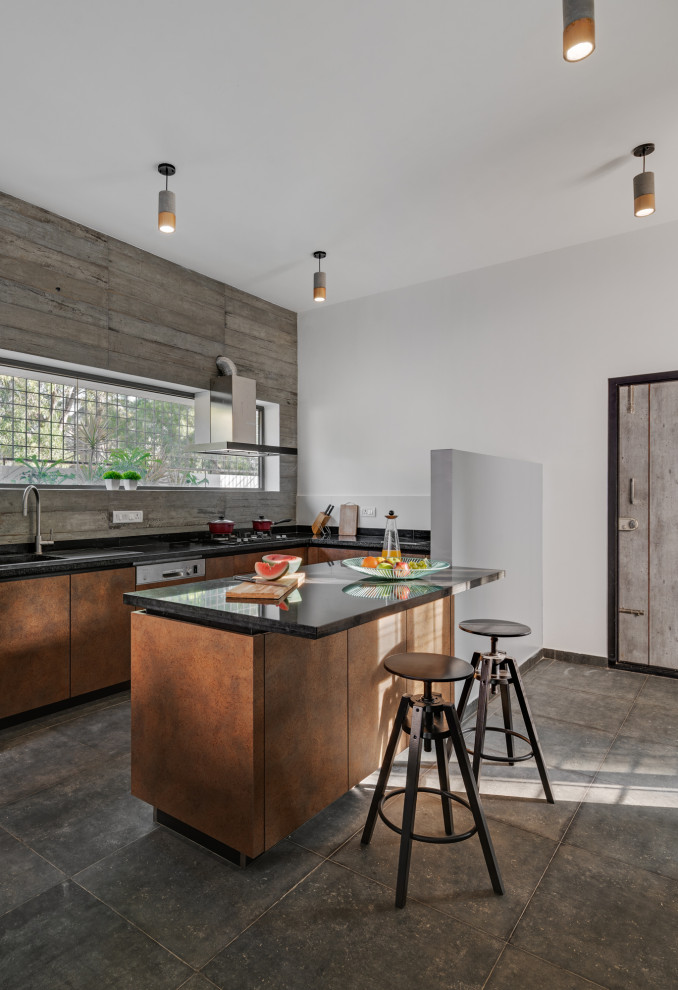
[170, 572]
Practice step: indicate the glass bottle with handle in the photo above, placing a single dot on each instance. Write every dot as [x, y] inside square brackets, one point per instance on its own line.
[391, 547]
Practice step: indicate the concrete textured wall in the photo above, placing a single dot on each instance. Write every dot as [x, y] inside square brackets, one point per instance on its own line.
[71, 294]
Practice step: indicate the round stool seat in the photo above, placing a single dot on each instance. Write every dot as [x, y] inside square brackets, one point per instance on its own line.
[499, 628]
[428, 667]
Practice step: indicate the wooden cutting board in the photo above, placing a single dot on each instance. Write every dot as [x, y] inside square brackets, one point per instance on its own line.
[348, 520]
[259, 592]
[289, 580]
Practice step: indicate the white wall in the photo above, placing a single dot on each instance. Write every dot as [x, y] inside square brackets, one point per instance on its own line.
[489, 509]
[511, 360]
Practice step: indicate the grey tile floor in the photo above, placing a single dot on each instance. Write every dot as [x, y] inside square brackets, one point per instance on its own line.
[94, 895]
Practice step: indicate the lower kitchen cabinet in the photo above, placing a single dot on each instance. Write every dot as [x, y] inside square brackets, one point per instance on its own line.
[100, 637]
[243, 563]
[320, 555]
[35, 644]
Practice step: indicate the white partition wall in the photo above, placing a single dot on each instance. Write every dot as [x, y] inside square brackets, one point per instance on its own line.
[487, 512]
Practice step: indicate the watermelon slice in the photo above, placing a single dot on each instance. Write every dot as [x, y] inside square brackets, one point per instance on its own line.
[290, 559]
[270, 569]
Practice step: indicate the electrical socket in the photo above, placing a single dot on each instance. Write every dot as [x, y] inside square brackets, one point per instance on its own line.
[368, 510]
[128, 516]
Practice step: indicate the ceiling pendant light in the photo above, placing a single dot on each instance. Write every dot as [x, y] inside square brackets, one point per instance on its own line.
[579, 29]
[319, 279]
[167, 203]
[643, 185]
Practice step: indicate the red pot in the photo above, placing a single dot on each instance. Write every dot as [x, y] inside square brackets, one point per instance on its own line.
[221, 527]
[262, 525]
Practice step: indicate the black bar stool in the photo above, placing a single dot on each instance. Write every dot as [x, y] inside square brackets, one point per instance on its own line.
[427, 727]
[499, 670]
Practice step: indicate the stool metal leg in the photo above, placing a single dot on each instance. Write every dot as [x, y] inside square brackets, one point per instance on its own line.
[473, 798]
[410, 804]
[481, 718]
[442, 756]
[508, 720]
[530, 728]
[386, 768]
[466, 690]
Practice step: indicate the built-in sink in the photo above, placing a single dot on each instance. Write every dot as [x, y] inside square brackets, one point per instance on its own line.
[94, 552]
[7, 559]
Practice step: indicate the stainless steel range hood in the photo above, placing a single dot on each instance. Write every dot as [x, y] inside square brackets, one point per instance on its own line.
[226, 419]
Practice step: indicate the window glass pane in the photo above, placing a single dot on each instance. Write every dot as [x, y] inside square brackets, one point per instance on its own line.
[92, 428]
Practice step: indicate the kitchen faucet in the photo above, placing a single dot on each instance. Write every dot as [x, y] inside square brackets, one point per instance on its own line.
[39, 543]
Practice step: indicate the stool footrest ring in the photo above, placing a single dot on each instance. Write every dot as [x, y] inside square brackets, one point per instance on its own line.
[503, 759]
[437, 839]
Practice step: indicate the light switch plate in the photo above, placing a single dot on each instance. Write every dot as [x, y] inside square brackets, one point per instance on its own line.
[368, 510]
[128, 516]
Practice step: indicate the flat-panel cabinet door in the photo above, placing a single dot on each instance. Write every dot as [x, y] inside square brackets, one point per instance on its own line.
[219, 567]
[100, 629]
[323, 554]
[34, 645]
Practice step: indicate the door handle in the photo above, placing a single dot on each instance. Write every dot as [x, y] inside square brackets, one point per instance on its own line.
[626, 523]
[632, 491]
[632, 611]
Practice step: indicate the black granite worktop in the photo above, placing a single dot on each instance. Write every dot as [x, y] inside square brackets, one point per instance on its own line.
[331, 599]
[69, 557]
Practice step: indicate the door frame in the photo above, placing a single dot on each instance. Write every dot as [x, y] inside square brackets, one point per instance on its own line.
[612, 516]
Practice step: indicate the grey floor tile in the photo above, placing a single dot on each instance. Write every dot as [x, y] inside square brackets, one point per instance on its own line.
[660, 691]
[337, 930]
[190, 900]
[454, 878]
[604, 920]
[198, 982]
[9, 733]
[576, 706]
[65, 939]
[23, 873]
[106, 731]
[40, 760]
[649, 720]
[631, 811]
[560, 676]
[580, 748]
[327, 830]
[518, 969]
[80, 820]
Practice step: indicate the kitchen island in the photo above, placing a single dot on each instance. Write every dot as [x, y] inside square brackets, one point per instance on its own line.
[249, 718]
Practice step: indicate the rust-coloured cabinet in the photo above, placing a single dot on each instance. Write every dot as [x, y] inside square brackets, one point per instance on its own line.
[243, 563]
[100, 634]
[34, 644]
[320, 555]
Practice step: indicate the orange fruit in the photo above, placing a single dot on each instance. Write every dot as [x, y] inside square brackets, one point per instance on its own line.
[369, 562]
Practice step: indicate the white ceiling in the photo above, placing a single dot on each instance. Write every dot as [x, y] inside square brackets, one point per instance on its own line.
[410, 139]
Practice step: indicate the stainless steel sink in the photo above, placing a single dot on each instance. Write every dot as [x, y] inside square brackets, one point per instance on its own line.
[7, 559]
[94, 552]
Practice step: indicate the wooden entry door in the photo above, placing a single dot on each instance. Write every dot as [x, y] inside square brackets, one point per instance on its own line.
[647, 524]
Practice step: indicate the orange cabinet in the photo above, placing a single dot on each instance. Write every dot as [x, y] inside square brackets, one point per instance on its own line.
[35, 646]
[100, 633]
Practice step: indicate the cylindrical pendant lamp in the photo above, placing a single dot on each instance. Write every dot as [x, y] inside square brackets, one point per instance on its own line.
[579, 29]
[167, 203]
[319, 279]
[643, 185]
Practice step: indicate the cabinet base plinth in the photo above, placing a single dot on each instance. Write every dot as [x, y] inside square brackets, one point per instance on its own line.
[195, 835]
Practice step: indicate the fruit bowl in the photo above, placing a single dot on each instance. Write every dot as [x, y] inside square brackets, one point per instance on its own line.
[284, 558]
[388, 590]
[389, 574]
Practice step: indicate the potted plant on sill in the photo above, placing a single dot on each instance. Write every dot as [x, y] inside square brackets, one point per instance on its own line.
[130, 479]
[112, 479]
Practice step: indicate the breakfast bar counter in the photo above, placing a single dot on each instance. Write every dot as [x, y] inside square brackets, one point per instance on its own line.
[249, 718]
